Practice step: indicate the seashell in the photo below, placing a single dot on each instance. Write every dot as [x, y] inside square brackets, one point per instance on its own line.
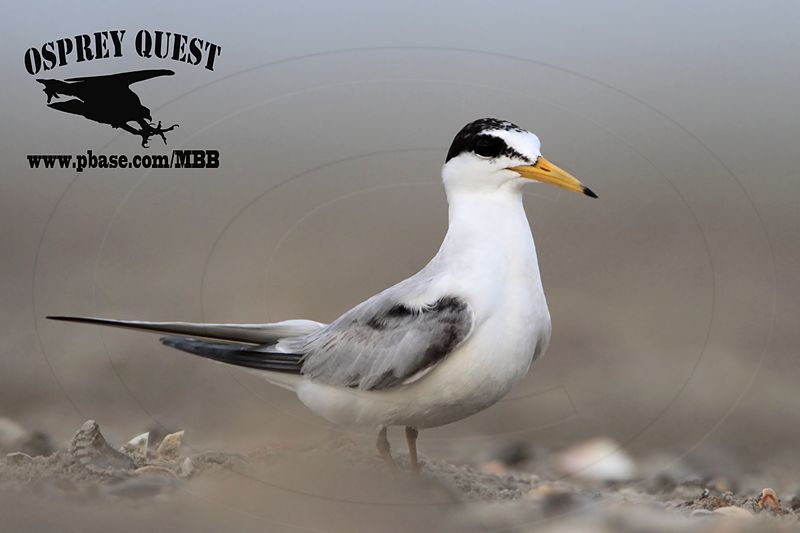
[137, 446]
[91, 450]
[170, 446]
[769, 498]
[155, 470]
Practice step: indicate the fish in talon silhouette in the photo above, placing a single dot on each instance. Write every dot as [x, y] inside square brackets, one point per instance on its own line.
[108, 100]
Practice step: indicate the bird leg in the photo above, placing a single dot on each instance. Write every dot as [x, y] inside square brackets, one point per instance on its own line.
[411, 440]
[384, 449]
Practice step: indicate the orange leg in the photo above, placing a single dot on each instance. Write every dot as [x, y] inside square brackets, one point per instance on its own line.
[411, 440]
[384, 450]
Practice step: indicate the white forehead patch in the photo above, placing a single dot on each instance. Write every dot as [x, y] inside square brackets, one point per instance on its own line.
[524, 142]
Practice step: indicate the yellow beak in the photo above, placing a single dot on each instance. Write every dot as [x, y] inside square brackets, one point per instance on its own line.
[547, 172]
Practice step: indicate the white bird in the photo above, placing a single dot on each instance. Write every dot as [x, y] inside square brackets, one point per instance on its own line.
[440, 346]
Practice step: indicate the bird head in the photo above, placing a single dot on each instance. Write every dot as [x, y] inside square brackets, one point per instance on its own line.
[489, 153]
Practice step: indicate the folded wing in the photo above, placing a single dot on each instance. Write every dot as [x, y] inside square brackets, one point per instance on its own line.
[383, 342]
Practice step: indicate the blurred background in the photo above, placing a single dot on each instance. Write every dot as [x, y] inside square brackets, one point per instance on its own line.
[673, 296]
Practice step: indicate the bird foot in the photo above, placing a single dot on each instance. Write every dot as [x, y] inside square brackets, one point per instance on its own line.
[149, 130]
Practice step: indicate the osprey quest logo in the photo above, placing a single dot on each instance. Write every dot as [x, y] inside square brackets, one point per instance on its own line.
[108, 100]
[111, 99]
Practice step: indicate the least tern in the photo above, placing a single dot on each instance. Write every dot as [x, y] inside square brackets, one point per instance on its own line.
[442, 345]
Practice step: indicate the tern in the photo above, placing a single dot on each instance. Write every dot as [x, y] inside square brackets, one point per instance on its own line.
[440, 346]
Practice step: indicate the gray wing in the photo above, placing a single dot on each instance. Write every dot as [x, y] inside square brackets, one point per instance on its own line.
[383, 341]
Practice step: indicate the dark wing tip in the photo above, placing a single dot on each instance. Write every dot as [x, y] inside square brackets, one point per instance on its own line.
[173, 341]
[237, 354]
[589, 192]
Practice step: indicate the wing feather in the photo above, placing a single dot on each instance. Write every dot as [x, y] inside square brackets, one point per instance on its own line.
[382, 342]
[237, 354]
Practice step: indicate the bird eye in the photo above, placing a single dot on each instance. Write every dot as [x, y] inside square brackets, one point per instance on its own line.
[488, 146]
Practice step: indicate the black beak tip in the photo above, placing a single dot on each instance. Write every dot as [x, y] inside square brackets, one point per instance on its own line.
[589, 192]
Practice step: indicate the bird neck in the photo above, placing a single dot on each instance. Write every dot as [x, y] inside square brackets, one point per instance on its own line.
[489, 230]
[485, 212]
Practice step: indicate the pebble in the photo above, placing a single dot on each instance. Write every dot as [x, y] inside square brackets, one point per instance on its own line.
[514, 453]
[794, 504]
[734, 512]
[541, 491]
[599, 459]
[187, 468]
[495, 467]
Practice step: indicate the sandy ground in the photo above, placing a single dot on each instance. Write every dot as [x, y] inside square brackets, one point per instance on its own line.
[160, 482]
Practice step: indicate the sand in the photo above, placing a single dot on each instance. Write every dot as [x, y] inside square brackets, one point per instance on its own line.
[149, 484]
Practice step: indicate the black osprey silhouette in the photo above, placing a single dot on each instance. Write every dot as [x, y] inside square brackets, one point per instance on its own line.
[109, 100]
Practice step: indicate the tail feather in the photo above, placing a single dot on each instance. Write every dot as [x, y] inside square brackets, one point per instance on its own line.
[249, 333]
[238, 354]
